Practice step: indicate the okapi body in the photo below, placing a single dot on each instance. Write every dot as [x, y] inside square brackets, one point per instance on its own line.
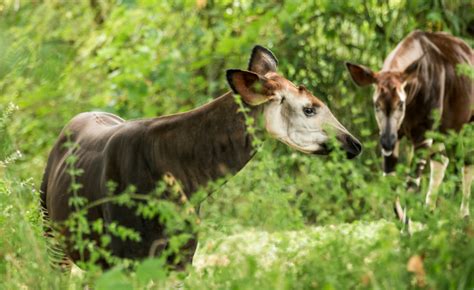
[194, 147]
[417, 78]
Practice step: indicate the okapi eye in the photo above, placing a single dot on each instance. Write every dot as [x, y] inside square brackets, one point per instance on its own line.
[282, 99]
[400, 105]
[309, 111]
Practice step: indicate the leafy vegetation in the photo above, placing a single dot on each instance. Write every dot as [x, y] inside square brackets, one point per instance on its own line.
[287, 220]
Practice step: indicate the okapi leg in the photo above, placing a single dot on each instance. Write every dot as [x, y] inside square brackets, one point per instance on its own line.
[467, 176]
[402, 215]
[388, 165]
[413, 183]
[437, 170]
[399, 211]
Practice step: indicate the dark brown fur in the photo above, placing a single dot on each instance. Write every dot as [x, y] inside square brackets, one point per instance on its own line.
[195, 147]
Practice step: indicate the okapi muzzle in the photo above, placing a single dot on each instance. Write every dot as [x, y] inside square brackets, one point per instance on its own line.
[351, 145]
[343, 139]
[387, 142]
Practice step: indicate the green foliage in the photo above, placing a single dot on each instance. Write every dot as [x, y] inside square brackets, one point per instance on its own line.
[337, 257]
[328, 221]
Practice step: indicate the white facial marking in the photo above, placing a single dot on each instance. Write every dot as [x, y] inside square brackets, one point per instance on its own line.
[401, 93]
[286, 121]
[395, 117]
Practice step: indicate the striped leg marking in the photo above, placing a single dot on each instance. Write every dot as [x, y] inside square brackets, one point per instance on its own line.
[437, 170]
[402, 215]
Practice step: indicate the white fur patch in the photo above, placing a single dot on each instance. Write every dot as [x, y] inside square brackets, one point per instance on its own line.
[437, 170]
[287, 122]
[402, 94]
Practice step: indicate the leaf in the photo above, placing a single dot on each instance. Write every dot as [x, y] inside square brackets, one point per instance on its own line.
[201, 3]
[113, 279]
[151, 269]
[415, 265]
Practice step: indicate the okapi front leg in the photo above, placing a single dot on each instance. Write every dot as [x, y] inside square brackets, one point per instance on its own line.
[389, 164]
[437, 170]
[413, 183]
[467, 176]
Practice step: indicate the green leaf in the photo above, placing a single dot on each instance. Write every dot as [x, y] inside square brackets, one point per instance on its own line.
[151, 270]
[114, 279]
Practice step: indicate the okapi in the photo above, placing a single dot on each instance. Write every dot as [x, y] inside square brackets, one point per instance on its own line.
[194, 147]
[418, 77]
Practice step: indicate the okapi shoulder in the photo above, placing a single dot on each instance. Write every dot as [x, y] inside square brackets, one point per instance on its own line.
[126, 136]
[125, 157]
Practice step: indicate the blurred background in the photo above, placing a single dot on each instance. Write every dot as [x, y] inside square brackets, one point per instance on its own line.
[144, 58]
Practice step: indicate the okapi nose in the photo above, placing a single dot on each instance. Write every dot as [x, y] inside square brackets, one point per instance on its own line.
[352, 146]
[387, 141]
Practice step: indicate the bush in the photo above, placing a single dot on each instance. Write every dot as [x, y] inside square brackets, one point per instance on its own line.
[328, 221]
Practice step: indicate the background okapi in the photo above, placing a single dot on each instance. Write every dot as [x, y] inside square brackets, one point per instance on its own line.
[194, 147]
[417, 78]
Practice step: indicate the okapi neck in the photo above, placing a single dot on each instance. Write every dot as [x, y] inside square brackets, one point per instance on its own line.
[201, 145]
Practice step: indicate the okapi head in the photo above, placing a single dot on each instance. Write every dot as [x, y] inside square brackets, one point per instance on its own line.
[389, 99]
[292, 113]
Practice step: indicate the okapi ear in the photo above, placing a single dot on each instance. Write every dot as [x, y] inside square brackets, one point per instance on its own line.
[249, 85]
[262, 60]
[361, 75]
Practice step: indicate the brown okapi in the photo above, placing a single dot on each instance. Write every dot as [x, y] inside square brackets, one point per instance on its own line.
[418, 77]
[195, 147]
